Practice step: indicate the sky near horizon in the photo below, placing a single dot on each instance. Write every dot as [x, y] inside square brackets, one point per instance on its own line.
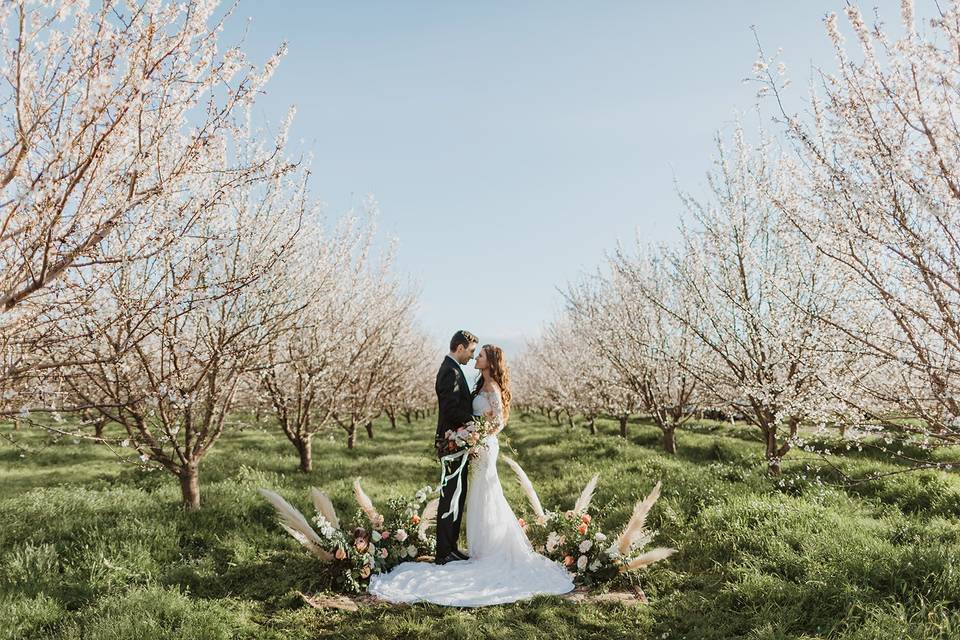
[511, 144]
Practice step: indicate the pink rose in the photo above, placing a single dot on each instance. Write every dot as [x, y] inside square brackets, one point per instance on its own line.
[384, 535]
[522, 523]
[586, 518]
[383, 552]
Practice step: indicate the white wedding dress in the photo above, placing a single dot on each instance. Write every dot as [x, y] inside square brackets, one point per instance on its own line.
[503, 567]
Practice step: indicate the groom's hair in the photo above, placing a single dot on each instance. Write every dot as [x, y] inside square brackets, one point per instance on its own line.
[464, 338]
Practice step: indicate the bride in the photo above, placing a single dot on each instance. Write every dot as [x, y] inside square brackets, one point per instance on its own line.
[502, 565]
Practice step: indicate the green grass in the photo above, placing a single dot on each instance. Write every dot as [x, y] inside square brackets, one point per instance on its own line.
[93, 549]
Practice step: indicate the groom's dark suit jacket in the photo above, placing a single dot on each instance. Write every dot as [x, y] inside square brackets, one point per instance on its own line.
[454, 398]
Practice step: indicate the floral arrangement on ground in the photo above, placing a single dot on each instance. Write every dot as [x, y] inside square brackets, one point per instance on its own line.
[375, 541]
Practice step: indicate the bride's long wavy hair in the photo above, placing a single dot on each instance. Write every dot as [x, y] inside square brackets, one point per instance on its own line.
[499, 373]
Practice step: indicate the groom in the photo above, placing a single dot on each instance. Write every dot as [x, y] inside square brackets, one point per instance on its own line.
[455, 409]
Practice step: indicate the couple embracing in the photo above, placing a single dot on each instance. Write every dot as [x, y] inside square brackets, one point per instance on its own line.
[502, 565]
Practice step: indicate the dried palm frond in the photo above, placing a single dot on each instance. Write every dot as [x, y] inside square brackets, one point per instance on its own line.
[527, 488]
[296, 525]
[428, 517]
[376, 520]
[584, 500]
[325, 507]
[648, 558]
[635, 527]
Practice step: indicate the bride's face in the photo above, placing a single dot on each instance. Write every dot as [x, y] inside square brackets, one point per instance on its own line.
[481, 362]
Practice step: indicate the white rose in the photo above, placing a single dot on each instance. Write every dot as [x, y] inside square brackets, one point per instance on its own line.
[599, 536]
[585, 546]
[412, 551]
[594, 565]
[375, 536]
[582, 563]
[400, 535]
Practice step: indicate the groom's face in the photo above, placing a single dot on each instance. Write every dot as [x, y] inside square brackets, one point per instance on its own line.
[465, 354]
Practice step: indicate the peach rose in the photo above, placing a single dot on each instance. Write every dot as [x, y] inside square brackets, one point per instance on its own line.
[360, 544]
[384, 535]
[383, 552]
[522, 523]
[365, 571]
[340, 554]
[582, 529]
[585, 518]
[415, 519]
[570, 513]
[567, 560]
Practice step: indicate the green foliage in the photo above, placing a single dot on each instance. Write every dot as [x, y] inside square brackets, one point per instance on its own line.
[92, 549]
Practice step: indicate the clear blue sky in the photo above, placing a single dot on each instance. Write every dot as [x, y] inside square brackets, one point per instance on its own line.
[510, 144]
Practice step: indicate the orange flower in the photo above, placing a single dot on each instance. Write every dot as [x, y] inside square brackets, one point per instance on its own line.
[340, 554]
[415, 519]
[567, 560]
[582, 529]
[586, 518]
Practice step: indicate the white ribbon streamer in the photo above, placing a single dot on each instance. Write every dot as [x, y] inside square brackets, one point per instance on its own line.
[444, 478]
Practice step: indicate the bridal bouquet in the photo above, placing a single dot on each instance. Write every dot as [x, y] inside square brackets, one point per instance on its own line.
[574, 537]
[372, 542]
[472, 436]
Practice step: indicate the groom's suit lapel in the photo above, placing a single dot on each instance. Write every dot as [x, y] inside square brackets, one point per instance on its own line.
[463, 378]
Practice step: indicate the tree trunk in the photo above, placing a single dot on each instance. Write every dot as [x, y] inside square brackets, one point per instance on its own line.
[592, 424]
[570, 420]
[406, 416]
[190, 486]
[393, 419]
[305, 449]
[670, 439]
[556, 416]
[98, 427]
[351, 435]
[369, 427]
[623, 426]
[773, 460]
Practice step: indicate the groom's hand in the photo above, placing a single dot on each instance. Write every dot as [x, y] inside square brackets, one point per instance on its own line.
[445, 446]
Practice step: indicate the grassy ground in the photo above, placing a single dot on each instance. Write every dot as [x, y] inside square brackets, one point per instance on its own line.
[95, 550]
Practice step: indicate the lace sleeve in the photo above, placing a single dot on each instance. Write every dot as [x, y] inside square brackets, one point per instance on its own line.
[496, 404]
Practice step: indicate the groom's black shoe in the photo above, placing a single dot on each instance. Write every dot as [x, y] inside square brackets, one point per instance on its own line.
[450, 557]
[445, 559]
[459, 554]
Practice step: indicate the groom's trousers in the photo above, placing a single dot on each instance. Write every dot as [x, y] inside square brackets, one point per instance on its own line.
[448, 528]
